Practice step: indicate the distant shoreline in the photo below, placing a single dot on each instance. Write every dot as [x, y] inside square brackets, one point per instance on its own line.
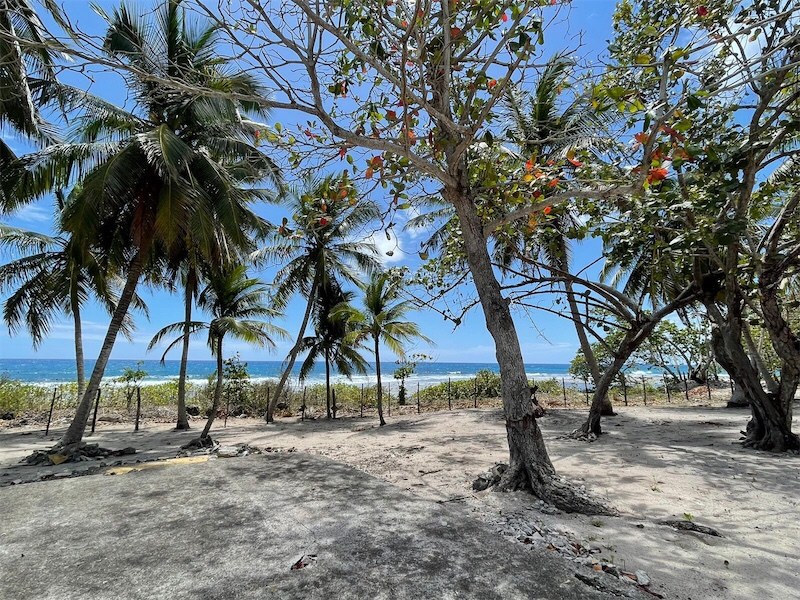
[53, 372]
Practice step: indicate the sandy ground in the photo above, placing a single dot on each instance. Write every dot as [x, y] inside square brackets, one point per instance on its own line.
[653, 464]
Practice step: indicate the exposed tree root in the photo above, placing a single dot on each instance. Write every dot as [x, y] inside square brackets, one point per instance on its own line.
[77, 452]
[199, 443]
[551, 489]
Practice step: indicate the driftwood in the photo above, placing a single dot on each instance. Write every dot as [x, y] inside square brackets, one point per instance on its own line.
[691, 526]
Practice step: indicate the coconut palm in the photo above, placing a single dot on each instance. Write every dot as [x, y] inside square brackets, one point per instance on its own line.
[381, 321]
[52, 275]
[177, 167]
[330, 343]
[237, 305]
[324, 241]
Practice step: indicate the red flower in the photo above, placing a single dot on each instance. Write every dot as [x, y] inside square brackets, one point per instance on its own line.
[548, 210]
[323, 221]
[702, 11]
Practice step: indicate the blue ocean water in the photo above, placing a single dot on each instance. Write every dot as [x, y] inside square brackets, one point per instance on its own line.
[427, 373]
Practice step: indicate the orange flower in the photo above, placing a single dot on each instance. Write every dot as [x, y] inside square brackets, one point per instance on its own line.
[548, 210]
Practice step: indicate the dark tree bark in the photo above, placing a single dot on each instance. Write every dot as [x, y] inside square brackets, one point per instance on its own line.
[770, 425]
[530, 467]
[74, 433]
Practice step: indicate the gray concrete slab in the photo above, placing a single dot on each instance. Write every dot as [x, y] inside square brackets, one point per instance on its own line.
[232, 528]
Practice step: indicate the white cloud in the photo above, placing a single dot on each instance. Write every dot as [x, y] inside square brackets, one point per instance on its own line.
[388, 248]
[34, 214]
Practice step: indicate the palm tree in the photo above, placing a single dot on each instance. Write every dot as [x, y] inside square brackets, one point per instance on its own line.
[53, 275]
[236, 304]
[23, 70]
[382, 320]
[321, 244]
[179, 166]
[330, 342]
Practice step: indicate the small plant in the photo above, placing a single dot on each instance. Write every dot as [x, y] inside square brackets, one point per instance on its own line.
[130, 379]
[688, 517]
[597, 522]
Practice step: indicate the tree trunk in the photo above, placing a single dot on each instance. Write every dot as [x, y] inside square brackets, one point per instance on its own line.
[328, 383]
[529, 467]
[217, 393]
[379, 389]
[80, 366]
[755, 356]
[606, 408]
[76, 429]
[292, 357]
[188, 297]
[770, 425]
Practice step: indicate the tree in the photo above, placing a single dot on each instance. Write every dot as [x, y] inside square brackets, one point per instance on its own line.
[321, 244]
[413, 91]
[236, 304]
[149, 178]
[53, 275]
[381, 321]
[726, 116]
[331, 341]
[406, 367]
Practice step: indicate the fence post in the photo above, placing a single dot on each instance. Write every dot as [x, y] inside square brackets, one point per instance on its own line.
[666, 389]
[708, 386]
[227, 409]
[586, 389]
[139, 407]
[303, 407]
[449, 397]
[362, 400]
[418, 397]
[50, 416]
[96, 405]
[476, 391]
[564, 389]
[686, 387]
[625, 389]
[389, 400]
[644, 390]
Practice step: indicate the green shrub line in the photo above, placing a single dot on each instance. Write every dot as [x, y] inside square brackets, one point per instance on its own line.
[249, 398]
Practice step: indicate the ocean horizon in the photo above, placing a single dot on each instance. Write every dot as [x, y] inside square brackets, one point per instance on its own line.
[56, 371]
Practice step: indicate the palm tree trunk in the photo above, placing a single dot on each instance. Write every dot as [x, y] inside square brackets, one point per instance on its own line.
[586, 347]
[606, 408]
[292, 354]
[183, 417]
[80, 366]
[217, 392]
[529, 465]
[328, 382]
[76, 429]
[379, 389]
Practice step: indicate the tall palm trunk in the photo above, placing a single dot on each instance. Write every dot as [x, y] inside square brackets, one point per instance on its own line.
[76, 429]
[529, 465]
[328, 381]
[379, 389]
[80, 367]
[183, 417]
[292, 357]
[217, 392]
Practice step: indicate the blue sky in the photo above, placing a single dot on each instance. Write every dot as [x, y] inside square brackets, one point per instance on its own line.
[544, 338]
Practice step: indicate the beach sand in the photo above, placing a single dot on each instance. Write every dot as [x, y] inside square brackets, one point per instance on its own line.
[653, 464]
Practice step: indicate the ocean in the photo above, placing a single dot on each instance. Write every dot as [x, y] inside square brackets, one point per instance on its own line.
[51, 371]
